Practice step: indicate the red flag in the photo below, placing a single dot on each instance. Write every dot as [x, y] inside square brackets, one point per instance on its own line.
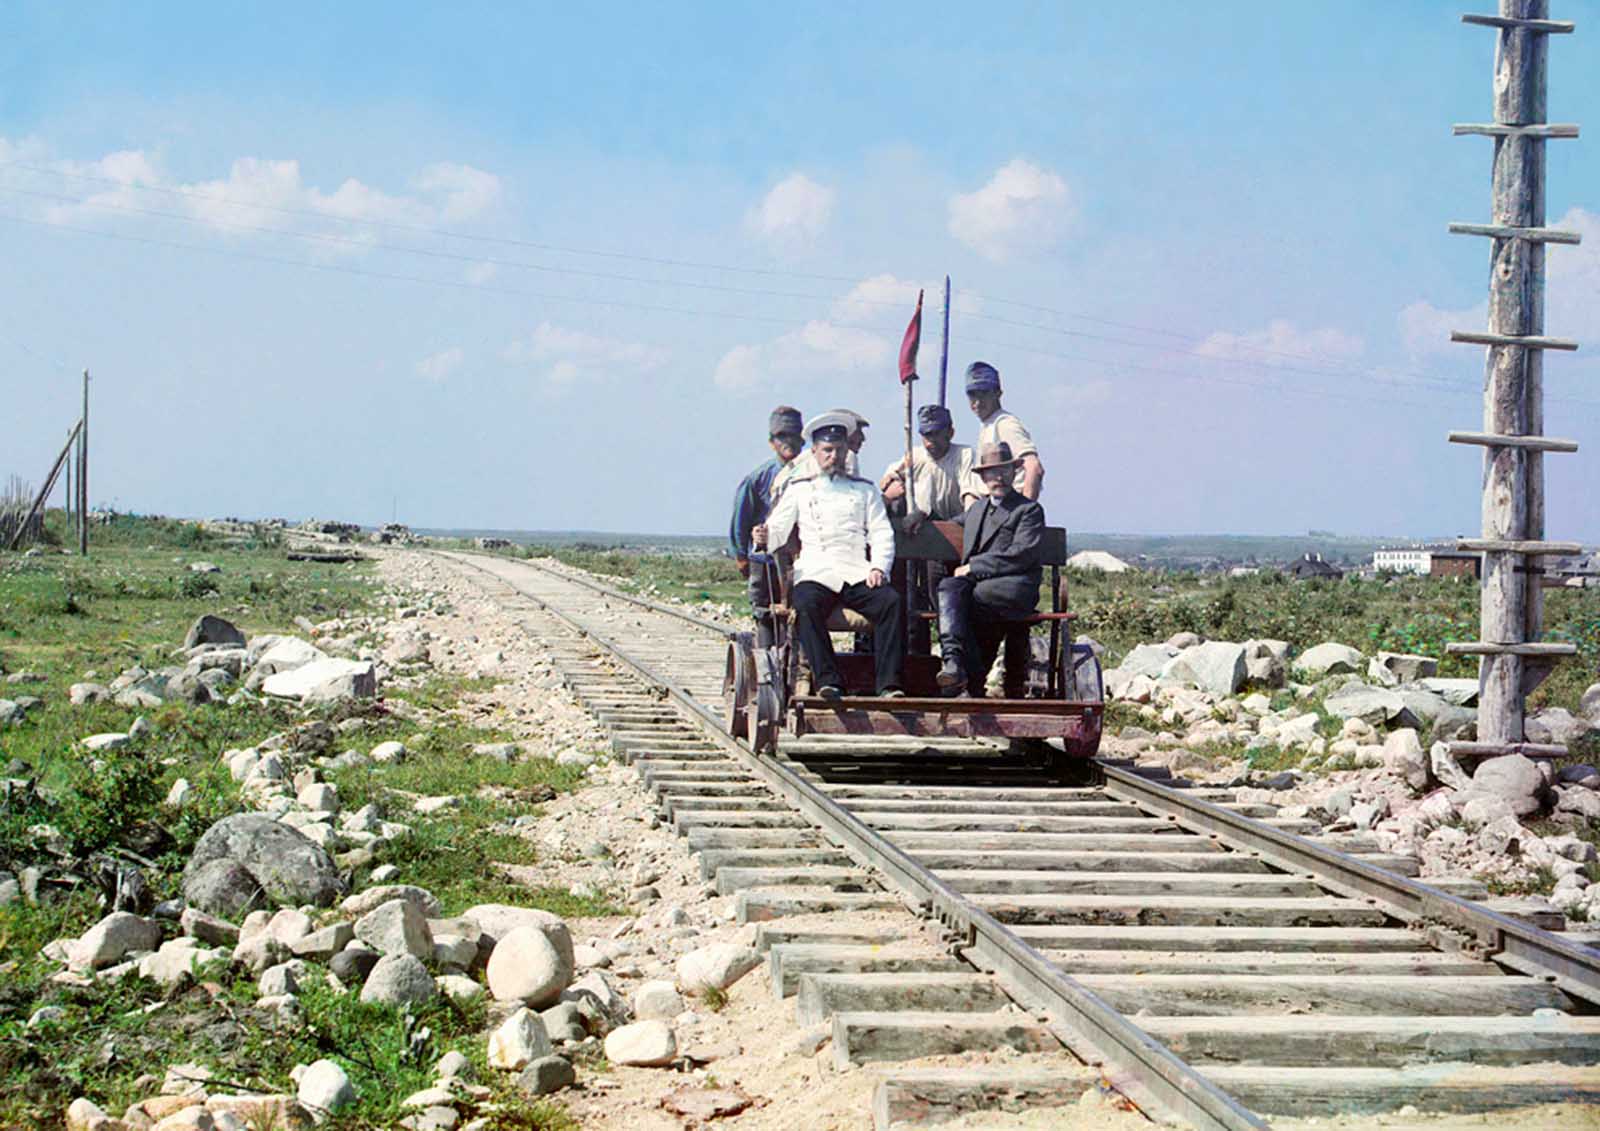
[908, 345]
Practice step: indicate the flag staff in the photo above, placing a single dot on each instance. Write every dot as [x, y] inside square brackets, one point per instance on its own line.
[944, 342]
[908, 374]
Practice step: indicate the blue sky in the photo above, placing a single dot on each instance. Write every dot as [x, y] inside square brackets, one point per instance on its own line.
[541, 267]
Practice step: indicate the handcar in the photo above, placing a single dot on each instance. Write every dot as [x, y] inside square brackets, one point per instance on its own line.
[1052, 684]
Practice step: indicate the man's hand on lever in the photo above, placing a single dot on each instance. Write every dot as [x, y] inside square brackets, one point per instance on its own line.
[758, 536]
[875, 578]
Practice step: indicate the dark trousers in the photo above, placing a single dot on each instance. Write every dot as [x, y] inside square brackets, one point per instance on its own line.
[973, 626]
[925, 596]
[813, 603]
[759, 588]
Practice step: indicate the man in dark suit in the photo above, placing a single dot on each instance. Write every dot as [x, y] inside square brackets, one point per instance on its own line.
[998, 578]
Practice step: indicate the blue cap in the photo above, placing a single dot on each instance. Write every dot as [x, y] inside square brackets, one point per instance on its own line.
[982, 378]
[933, 418]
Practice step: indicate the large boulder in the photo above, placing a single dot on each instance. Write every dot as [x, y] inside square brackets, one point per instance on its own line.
[1217, 667]
[1514, 779]
[1391, 668]
[526, 966]
[1328, 659]
[210, 629]
[497, 920]
[1458, 692]
[287, 866]
[112, 939]
[1557, 725]
[223, 887]
[1589, 704]
[1147, 659]
[1373, 705]
[396, 927]
[399, 979]
[324, 681]
[715, 967]
[1404, 757]
[646, 1044]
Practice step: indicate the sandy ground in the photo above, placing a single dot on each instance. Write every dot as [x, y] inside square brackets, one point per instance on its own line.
[607, 836]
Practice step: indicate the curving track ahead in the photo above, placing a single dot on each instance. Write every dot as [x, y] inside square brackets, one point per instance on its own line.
[1204, 956]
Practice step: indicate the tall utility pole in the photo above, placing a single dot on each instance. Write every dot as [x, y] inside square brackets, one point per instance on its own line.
[1513, 659]
[83, 472]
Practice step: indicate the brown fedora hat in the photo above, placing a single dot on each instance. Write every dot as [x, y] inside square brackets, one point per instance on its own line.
[995, 456]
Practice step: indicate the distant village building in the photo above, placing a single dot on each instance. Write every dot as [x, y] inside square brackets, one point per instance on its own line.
[1098, 560]
[1455, 563]
[1429, 560]
[1312, 566]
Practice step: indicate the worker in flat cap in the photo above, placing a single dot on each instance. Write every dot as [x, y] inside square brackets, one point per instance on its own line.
[997, 582]
[996, 426]
[751, 505]
[941, 472]
[846, 553]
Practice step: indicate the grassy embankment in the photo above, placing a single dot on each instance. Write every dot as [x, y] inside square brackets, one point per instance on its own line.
[131, 603]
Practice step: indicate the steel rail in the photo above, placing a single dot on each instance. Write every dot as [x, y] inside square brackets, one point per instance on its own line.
[1522, 947]
[1143, 1068]
[721, 630]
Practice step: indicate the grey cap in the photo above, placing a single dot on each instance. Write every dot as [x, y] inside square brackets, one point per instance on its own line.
[784, 418]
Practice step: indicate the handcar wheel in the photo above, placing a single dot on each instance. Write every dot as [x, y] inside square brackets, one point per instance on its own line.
[768, 718]
[739, 683]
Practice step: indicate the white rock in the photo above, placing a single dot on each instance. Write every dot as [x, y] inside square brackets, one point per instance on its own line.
[396, 927]
[323, 681]
[386, 752]
[399, 979]
[526, 966]
[459, 987]
[1515, 779]
[657, 1001]
[1404, 757]
[324, 1088]
[647, 1044]
[1328, 659]
[100, 742]
[1217, 667]
[319, 797]
[717, 966]
[112, 939]
[180, 793]
[519, 1041]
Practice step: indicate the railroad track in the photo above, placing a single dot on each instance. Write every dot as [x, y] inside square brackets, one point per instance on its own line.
[1212, 961]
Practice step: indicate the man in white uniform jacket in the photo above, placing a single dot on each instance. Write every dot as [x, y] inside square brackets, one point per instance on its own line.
[846, 552]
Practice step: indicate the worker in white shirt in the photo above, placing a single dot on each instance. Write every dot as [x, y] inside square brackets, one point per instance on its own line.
[997, 426]
[846, 553]
[941, 472]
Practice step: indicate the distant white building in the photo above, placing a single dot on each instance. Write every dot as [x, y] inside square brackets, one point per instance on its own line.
[1408, 559]
[1098, 560]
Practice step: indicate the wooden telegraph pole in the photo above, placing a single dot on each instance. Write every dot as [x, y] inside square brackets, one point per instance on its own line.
[83, 471]
[1513, 659]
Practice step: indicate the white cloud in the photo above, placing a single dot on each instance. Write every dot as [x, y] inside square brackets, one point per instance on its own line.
[480, 273]
[838, 344]
[567, 356]
[1572, 283]
[819, 347]
[1022, 210]
[255, 192]
[438, 366]
[465, 192]
[795, 211]
[1281, 337]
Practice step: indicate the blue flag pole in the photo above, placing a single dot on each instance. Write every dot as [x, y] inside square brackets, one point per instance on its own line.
[944, 342]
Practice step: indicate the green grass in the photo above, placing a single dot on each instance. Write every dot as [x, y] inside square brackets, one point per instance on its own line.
[131, 602]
